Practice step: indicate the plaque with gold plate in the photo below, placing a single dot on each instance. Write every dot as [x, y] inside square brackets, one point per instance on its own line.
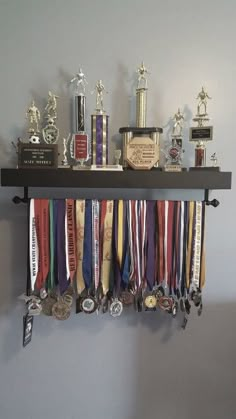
[141, 144]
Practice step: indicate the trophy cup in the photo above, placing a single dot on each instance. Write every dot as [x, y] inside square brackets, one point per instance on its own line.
[76, 146]
[32, 153]
[174, 152]
[201, 134]
[99, 130]
[141, 145]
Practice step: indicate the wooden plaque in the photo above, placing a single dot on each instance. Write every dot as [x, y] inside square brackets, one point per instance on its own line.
[142, 153]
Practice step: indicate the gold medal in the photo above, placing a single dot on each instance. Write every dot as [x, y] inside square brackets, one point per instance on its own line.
[150, 301]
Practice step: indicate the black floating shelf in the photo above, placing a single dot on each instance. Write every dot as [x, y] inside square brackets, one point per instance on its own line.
[144, 179]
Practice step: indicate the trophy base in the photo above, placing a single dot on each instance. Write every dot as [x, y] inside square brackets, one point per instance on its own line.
[153, 168]
[107, 167]
[174, 168]
[205, 168]
[81, 167]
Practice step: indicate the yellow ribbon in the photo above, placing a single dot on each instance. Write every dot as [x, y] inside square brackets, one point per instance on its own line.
[80, 221]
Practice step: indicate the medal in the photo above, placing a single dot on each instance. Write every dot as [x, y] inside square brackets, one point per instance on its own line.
[88, 305]
[34, 306]
[150, 302]
[68, 299]
[127, 298]
[116, 308]
[43, 294]
[47, 305]
[166, 303]
[60, 310]
[159, 292]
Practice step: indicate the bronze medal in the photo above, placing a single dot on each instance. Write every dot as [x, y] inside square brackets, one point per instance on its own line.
[127, 298]
[47, 305]
[166, 303]
[60, 310]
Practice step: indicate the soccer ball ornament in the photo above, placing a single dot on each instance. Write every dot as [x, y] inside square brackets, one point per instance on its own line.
[34, 139]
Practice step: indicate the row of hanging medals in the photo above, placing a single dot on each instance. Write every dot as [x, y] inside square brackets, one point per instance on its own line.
[149, 254]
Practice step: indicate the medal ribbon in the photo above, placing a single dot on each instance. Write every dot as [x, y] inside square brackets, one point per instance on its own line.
[42, 228]
[80, 226]
[70, 239]
[196, 258]
[143, 236]
[166, 203]
[177, 210]
[189, 242]
[161, 232]
[33, 246]
[181, 238]
[203, 267]
[150, 252]
[170, 229]
[61, 246]
[95, 243]
[87, 259]
[51, 275]
[106, 235]
[130, 238]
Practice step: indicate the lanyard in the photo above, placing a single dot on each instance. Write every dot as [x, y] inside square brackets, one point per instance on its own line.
[189, 242]
[197, 242]
[203, 267]
[41, 208]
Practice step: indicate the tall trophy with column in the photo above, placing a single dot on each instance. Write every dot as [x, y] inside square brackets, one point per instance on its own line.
[99, 129]
[141, 144]
[77, 146]
[202, 133]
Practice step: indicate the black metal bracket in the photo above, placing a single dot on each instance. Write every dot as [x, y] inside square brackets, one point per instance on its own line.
[24, 200]
[214, 202]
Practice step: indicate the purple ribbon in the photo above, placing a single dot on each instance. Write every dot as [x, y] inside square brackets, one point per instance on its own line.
[61, 246]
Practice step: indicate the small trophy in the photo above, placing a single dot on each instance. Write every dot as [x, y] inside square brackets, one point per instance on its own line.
[174, 152]
[141, 145]
[33, 153]
[50, 131]
[201, 134]
[99, 130]
[76, 146]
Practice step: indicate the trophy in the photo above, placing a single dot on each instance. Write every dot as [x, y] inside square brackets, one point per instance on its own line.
[141, 145]
[32, 153]
[99, 130]
[76, 146]
[50, 131]
[201, 134]
[174, 152]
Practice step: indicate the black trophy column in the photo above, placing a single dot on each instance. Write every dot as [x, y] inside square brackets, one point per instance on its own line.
[80, 113]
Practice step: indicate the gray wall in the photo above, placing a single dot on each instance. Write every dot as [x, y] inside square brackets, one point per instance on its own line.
[137, 366]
